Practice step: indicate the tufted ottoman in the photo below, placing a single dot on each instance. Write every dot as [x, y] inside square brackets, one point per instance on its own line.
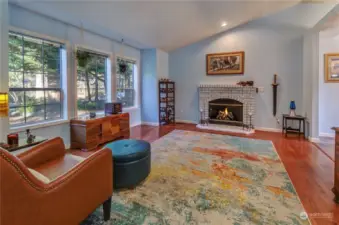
[131, 162]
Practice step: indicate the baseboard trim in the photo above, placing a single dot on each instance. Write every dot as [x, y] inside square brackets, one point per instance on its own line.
[327, 135]
[314, 139]
[150, 124]
[268, 129]
[186, 121]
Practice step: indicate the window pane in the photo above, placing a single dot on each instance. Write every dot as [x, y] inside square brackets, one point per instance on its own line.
[91, 83]
[52, 81]
[51, 52]
[125, 83]
[35, 113]
[16, 98]
[32, 47]
[53, 111]
[34, 98]
[52, 97]
[51, 65]
[33, 80]
[15, 62]
[17, 115]
[32, 64]
[15, 44]
[16, 79]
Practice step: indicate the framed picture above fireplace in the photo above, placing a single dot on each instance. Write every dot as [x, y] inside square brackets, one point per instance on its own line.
[226, 63]
[331, 67]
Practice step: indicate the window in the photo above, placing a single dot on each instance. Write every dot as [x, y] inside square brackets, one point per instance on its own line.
[125, 82]
[34, 80]
[92, 86]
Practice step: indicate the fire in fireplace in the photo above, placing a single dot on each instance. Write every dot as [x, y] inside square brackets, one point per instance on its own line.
[226, 111]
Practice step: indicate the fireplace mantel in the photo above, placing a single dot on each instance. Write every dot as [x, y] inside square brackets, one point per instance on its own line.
[243, 94]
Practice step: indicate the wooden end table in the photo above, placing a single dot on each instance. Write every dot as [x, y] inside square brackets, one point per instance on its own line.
[300, 130]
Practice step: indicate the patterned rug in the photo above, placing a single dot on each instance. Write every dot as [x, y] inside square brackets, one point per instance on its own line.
[201, 178]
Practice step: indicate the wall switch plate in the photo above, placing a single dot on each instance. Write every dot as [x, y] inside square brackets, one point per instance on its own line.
[261, 89]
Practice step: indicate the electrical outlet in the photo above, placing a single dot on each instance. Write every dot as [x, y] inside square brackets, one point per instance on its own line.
[261, 89]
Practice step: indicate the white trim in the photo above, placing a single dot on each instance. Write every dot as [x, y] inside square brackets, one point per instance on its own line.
[150, 124]
[186, 121]
[327, 135]
[268, 129]
[38, 35]
[38, 125]
[225, 128]
[314, 139]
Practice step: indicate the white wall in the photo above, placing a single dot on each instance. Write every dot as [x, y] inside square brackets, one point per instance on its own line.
[30, 21]
[268, 50]
[328, 92]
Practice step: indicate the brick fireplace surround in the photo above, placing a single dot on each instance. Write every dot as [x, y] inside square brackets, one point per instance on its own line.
[245, 95]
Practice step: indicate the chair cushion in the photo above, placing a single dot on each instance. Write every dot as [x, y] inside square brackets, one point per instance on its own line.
[60, 166]
[39, 176]
[129, 150]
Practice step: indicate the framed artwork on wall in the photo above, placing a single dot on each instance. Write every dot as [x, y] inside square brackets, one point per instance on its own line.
[331, 67]
[227, 63]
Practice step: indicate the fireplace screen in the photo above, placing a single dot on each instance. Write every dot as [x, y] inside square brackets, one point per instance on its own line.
[227, 111]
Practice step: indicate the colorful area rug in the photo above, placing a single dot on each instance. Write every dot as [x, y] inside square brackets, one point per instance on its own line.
[201, 178]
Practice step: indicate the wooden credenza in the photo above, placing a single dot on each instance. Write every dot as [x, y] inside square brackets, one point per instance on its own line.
[87, 134]
[336, 166]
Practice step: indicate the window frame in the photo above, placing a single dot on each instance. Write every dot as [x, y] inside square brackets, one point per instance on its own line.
[108, 75]
[135, 80]
[63, 83]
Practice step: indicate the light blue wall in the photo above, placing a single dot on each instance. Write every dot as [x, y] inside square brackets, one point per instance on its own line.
[154, 65]
[149, 96]
[27, 20]
[268, 50]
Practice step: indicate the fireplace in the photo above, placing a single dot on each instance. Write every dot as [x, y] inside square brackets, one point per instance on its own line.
[226, 111]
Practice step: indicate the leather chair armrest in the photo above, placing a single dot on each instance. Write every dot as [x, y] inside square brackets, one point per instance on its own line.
[43, 152]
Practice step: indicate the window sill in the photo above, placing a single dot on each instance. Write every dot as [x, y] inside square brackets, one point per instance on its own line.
[38, 125]
[128, 109]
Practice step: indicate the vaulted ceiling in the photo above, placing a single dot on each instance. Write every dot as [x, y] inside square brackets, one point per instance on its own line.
[172, 24]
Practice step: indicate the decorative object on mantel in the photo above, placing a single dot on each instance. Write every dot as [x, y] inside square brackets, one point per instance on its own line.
[336, 166]
[292, 108]
[275, 93]
[3, 104]
[331, 66]
[225, 63]
[30, 136]
[166, 102]
[246, 83]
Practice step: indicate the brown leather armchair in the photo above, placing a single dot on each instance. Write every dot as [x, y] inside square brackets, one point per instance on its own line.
[46, 185]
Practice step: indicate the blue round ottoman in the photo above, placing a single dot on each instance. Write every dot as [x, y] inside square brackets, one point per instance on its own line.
[131, 162]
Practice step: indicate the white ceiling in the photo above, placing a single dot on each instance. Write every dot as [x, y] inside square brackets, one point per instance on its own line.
[172, 24]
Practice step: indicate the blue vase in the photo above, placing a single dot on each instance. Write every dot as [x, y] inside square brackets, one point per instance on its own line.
[292, 105]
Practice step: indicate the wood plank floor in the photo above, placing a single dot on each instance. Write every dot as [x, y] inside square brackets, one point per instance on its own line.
[311, 171]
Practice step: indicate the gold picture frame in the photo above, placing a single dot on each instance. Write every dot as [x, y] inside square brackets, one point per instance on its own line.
[227, 63]
[331, 65]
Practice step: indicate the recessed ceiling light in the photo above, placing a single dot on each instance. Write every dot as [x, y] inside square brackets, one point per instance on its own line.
[223, 24]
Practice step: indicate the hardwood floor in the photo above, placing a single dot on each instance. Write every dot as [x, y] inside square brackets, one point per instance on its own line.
[311, 171]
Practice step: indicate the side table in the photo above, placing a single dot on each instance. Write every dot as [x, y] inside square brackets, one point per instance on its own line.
[300, 130]
[24, 144]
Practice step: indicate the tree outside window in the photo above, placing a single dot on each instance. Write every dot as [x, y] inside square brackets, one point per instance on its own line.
[91, 82]
[34, 80]
[125, 82]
